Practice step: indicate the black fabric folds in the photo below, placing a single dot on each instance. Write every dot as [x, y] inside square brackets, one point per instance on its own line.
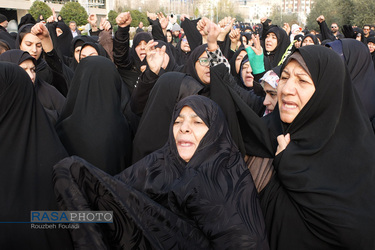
[321, 195]
[162, 202]
[49, 96]
[92, 125]
[29, 149]
[358, 61]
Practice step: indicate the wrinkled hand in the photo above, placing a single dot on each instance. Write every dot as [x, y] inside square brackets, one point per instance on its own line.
[92, 19]
[320, 19]
[226, 25]
[202, 26]
[283, 143]
[124, 19]
[105, 24]
[163, 20]
[213, 33]
[154, 56]
[40, 30]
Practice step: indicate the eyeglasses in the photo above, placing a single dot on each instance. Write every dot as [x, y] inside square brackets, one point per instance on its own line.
[333, 26]
[184, 39]
[204, 61]
[366, 28]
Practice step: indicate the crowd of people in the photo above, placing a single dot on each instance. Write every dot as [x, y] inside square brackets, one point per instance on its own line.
[200, 135]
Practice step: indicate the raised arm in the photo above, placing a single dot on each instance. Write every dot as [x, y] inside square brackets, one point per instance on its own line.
[121, 41]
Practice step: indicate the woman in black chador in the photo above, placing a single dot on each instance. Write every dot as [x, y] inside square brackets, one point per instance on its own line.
[28, 150]
[51, 99]
[194, 193]
[92, 124]
[320, 194]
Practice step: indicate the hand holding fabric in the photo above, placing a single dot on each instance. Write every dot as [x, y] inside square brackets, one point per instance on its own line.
[283, 142]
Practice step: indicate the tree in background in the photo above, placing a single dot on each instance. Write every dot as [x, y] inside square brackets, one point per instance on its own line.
[137, 17]
[112, 17]
[40, 8]
[350, 12]
[363, 13]
[279, 18]
[73, 11]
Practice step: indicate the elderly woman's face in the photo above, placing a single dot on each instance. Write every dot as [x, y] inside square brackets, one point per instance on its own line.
[294, 90]
[202, 66]
[247, 76]
[88, 51]
[141, 50]
[29, 67]
[188, 131]
[308, 41]
[271, 98]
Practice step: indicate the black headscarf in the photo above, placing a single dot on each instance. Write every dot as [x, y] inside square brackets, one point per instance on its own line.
[64, 40]
[358, 60]
[272, 58]
[192, 59]
[26, 19]
[321, 194]
[161, 200]
[182, 56]
[372, 40]
[16, 56]
[49, 97]
[76, 42]
[29, 149]
[4, 45]
[99, 48]
[232, 61]
[313, 37]
[42, 69]
[92, 125]
[136, 61]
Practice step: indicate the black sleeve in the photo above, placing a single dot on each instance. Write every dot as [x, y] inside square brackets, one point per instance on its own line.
[95, 33]
[254, 101]
[142, 90]
[121, 48]
[326, 33]
[157, 31]
[192, 34]
[62, 74]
